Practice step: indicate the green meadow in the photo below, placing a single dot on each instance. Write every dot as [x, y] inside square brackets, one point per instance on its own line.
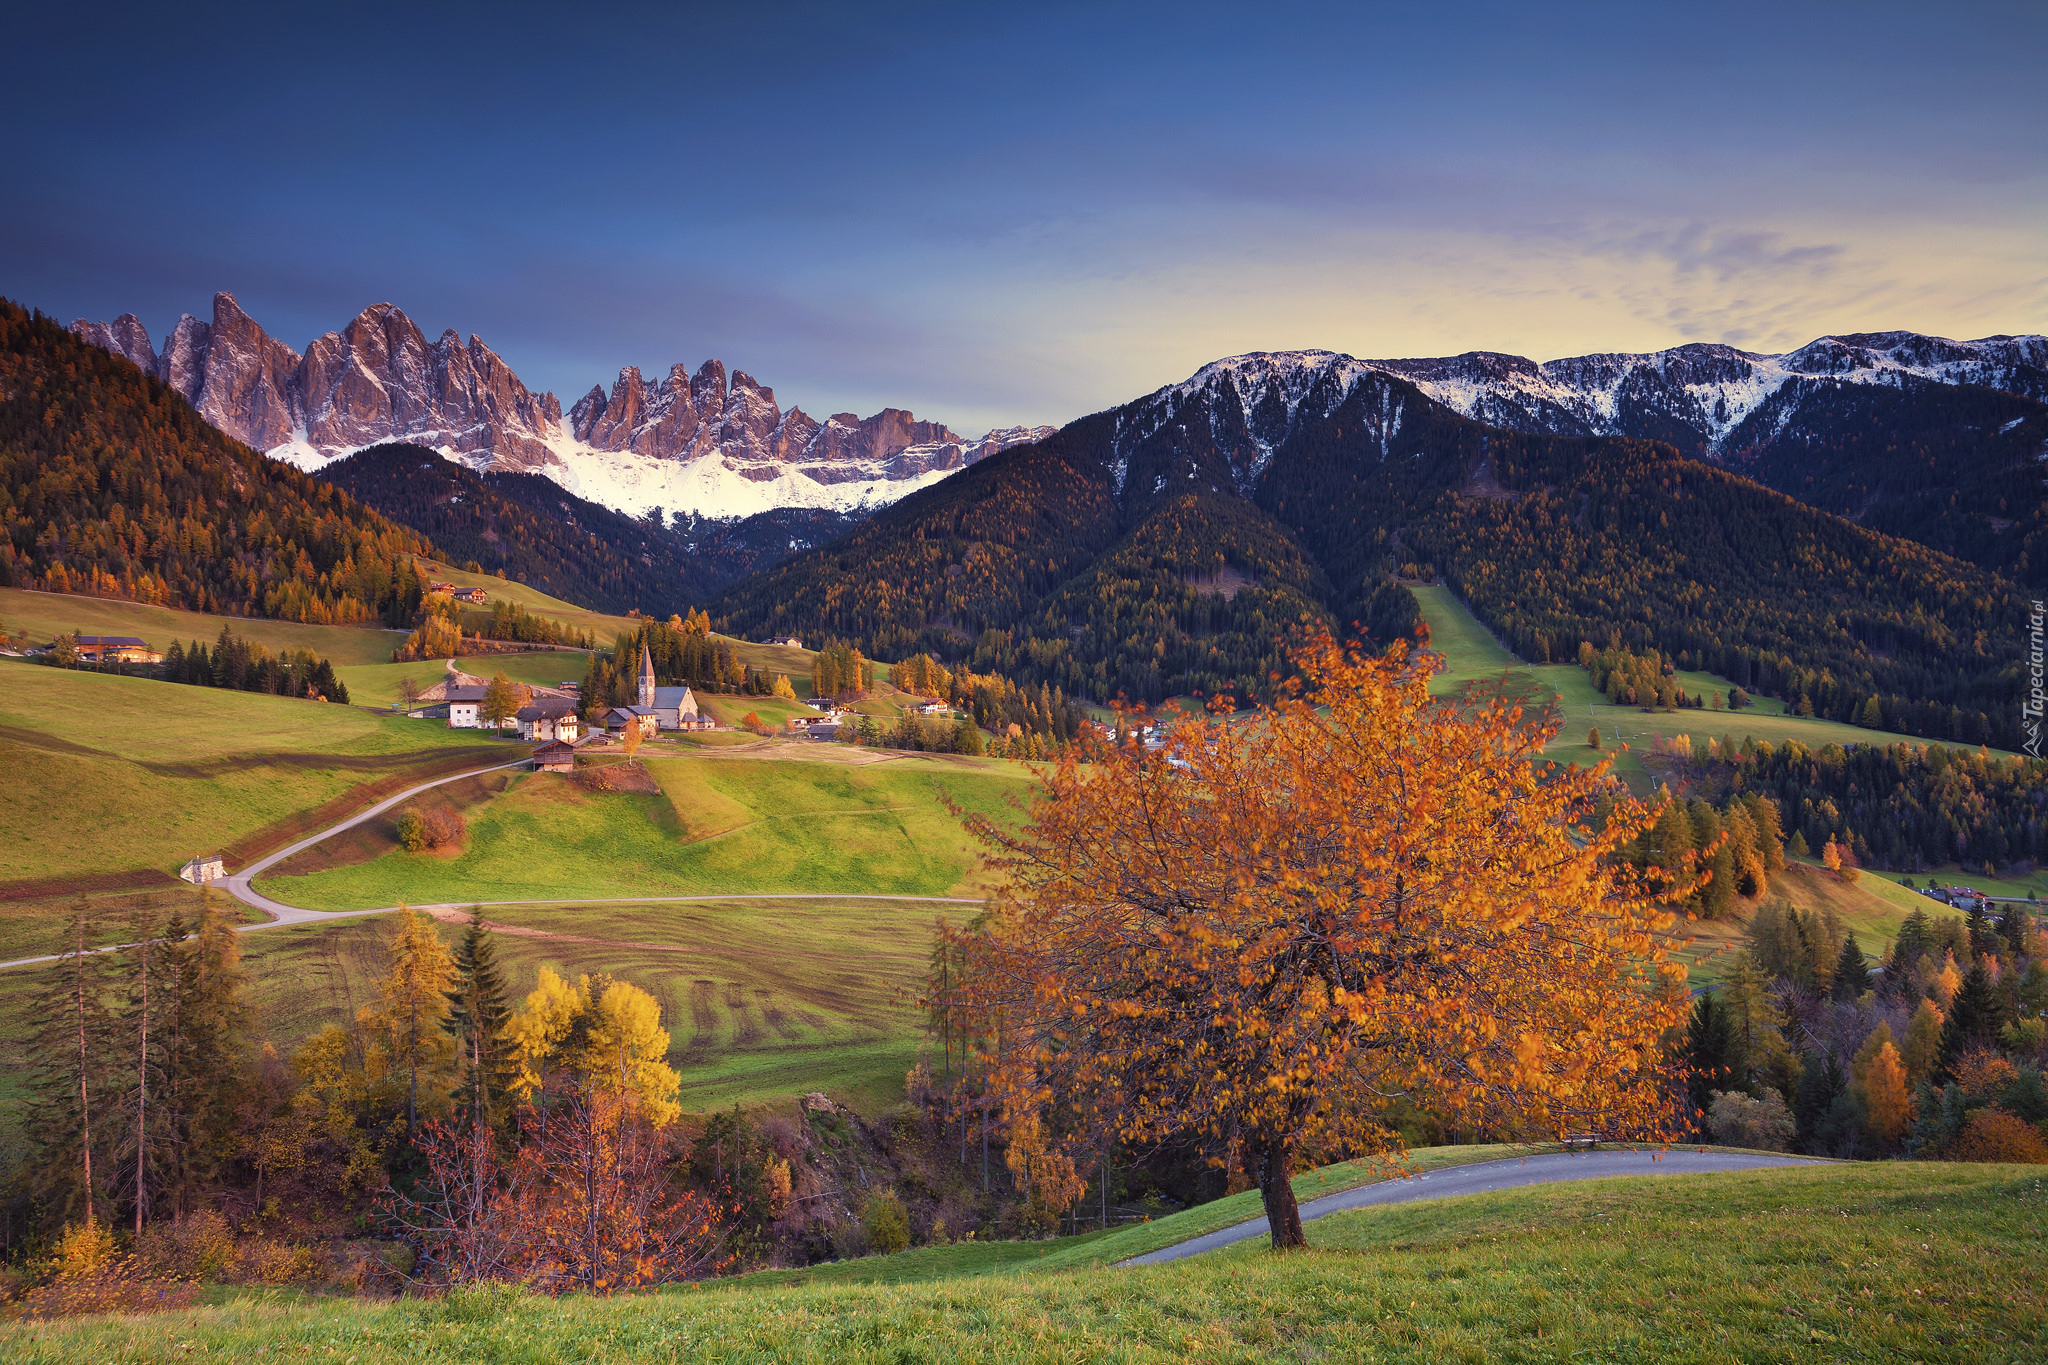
[109, 774]
[43, 616]
[1472, 656]
[1879, 1262]
[717, 824]
[377, 684]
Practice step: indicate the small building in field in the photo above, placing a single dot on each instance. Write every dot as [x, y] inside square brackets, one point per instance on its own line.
[931, 706]
[556, 756]
[471, 595]
[547, 718]
[793, 641]
[117, 649]
[202, 870]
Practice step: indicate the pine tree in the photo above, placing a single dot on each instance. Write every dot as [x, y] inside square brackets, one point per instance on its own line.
[477, 1015]
[1821, 1085]
[1852, 973]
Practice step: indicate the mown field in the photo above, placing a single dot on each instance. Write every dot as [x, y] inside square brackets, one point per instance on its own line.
[717, 824]
[763, 1000]
[107, 774]
[1891, 1261]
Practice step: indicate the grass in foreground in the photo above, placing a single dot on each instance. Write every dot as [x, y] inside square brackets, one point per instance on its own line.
[1891, 1261]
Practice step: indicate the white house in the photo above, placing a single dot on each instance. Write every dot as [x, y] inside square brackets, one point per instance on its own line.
[547, 718]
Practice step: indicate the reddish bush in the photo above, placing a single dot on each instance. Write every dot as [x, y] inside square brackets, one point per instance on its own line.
[1994, 1135]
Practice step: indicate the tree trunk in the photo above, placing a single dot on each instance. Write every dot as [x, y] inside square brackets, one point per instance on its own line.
[1271, 1164]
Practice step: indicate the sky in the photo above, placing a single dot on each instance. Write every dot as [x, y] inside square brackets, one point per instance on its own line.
[1004, 214]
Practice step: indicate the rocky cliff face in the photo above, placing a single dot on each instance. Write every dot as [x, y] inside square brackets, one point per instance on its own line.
[697, 442]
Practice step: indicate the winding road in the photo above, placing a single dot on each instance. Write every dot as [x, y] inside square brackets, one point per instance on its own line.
[240, 884]
[1483, 1178]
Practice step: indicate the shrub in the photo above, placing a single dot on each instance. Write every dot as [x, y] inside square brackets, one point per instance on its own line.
[1736, 1120]
[1994, 1135]
[887, 1226]
[418, 831]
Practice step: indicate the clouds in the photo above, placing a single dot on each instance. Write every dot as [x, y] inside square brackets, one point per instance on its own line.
[998, 217]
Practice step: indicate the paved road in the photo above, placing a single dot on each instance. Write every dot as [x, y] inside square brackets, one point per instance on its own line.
[239, 885]
[1482, 1178]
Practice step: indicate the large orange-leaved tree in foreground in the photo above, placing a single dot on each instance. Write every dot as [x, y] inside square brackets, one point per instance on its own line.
[1257, 936]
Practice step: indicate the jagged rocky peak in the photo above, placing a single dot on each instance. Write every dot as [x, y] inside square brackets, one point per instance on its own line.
[707, 441]
[125, 336]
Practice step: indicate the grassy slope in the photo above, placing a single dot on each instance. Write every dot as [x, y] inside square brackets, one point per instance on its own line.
[108, 773]
[1473, 655]
[719, 825]
[45, 615]
[377, 684]
[1891, 1261]
[776, 658]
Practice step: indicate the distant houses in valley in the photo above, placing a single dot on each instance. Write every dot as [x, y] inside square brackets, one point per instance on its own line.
[793, 641]
[459, 697]
[117, 649]
[473, 596]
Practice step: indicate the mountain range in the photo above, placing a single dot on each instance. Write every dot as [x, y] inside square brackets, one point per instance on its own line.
[700, 442]
[1163, 546]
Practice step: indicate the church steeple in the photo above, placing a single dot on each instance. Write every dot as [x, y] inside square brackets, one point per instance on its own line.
[646, 676]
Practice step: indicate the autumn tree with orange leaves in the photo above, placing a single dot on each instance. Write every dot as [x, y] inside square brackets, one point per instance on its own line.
[1257, 936]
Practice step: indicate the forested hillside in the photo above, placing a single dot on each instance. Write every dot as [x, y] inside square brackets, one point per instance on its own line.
[1954, 467]
[110, 484]
[1046, 562]
[527, 526]
[976, 552]
[536, 532]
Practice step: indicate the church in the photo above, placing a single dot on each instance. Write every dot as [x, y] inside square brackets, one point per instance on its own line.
[673, 708]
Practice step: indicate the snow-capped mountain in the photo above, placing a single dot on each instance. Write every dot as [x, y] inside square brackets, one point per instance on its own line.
[691, 443]
[1700, 398]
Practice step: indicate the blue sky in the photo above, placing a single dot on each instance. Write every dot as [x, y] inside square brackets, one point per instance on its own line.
[1025, 213]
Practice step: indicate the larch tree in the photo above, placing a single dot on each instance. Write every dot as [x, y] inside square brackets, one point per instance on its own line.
[414, 1003]
[1258, 936]
[500, 701]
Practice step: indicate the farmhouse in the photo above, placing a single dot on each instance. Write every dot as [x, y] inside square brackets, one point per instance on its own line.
[643, 718]
[202, 870]
[468, 594]
[117, 649]
[547, 718]
[793, 641]
[557, 756]
[465, 706]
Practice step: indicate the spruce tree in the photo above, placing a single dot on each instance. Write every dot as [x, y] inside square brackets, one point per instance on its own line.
[1710, 1053]
[477, 1016]
[1821, 1084]
[1852, 973]
[1972, 1022]
[73, 1059]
